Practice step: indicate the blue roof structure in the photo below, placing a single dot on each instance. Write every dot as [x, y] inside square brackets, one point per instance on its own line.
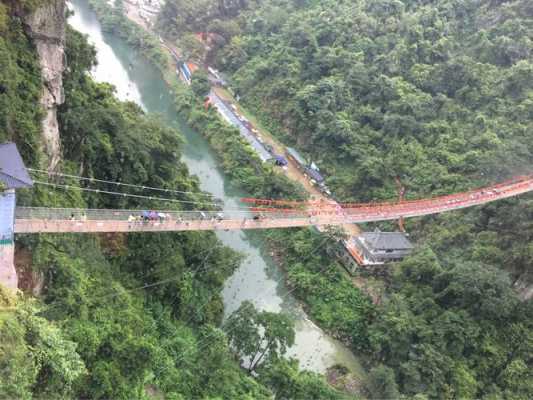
[13, 173]
[314, 175]
[280, 160]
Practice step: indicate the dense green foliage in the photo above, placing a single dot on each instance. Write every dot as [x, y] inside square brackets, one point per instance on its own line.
[120, 316]
[456, 332]
[318, 280]
[443, 89]
[34, 351]
[436, 93]
[115, 139]
[130, 339]
[238, 159]
[200, 84]
[259, 337]
[288, 383]
[381, 384]
[20, 86]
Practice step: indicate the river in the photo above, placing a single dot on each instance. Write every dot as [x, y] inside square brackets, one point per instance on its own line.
[258, 279]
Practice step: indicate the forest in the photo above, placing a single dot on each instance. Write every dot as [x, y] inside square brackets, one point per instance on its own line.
[437, 94]
[119, 316]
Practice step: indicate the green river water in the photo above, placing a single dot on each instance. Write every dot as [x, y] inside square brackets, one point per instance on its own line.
[258, 279]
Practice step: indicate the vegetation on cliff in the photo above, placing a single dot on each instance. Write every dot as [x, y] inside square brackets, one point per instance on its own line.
[20, 86]
[119, 316]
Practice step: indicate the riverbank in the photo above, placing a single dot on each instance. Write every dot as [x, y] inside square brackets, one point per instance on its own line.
[210, 125]
[237, 158]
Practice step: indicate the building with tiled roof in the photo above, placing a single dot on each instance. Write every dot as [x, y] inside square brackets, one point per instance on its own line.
[13, 173]
[373, 248]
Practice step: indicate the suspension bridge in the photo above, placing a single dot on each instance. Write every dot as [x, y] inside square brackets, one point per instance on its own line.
[254, 214]
[260, 214]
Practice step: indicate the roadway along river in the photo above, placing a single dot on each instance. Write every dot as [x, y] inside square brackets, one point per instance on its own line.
[258, 279]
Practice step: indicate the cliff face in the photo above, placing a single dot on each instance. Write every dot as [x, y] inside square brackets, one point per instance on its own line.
[47, 26]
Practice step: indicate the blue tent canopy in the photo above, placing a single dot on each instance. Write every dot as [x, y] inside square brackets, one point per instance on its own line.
[280, 160]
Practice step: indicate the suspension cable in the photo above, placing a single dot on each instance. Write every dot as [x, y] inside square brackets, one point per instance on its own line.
[138, 196]
[142, 187]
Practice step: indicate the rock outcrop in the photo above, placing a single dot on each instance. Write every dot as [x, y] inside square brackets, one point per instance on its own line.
[47, 27]
[524, 288]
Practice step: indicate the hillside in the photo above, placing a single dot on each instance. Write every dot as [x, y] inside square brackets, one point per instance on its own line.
[110, 316]
[438, 94]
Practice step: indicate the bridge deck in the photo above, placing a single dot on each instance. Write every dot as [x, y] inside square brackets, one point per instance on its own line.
[37, 220]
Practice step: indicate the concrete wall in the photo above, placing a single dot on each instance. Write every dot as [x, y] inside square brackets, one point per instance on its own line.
[7, 215]
[8, 274]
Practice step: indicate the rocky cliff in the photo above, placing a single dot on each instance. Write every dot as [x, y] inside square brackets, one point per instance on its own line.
[46, 26]
[524, 288]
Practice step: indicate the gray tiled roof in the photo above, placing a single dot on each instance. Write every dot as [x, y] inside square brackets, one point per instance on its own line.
[13, 173]
[387, 240]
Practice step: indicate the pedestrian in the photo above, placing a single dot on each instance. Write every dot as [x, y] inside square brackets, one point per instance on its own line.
[145, 216]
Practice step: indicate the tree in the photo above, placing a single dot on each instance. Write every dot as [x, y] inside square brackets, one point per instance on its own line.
[287, 382]
[484, 291]
[192, 47]
[381, 384]
[35, 356]
[200, 83]
[258, 337]
[3, 17]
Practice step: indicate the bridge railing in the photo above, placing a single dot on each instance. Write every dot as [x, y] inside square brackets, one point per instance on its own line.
[76, 214]
[118, 215]
[369, 212]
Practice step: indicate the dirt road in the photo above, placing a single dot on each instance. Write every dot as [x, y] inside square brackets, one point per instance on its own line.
[291, 171]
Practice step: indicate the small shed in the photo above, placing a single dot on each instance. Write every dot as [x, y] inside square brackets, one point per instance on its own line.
[382, 247]
[313, 174]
